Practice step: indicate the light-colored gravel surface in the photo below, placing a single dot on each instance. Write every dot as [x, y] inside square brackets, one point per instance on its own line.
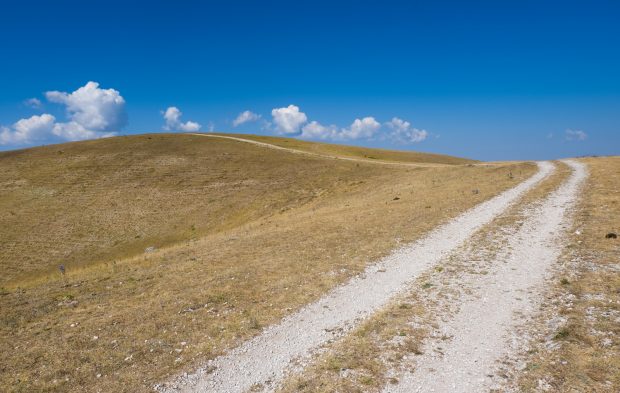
[264, 360]
[462, 357]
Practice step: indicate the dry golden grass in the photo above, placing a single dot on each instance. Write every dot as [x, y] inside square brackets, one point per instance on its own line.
[364, 360]
[583, 353]
[244, 234]
[356, 152]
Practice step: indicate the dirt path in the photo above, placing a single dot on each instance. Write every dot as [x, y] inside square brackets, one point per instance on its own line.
[264, 360]
[462, 357]
[332, 157]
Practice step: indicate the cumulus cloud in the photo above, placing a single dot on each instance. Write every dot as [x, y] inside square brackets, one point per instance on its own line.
[315, 130]
[33, 103]
[29, 130]
[172, 115]
[245, 117]
[361, 128]
[288, 120]
[402, 131]
[576, 135]
[74, 131]
[92, 113]
[93, 108]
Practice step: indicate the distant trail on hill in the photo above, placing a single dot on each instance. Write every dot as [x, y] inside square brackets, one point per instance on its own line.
[333, 157]
[485, 328]
[265, 359]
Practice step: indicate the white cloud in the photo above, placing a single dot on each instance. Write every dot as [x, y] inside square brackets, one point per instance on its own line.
[288, 120]
[315, 130]
[400, 130]
[30, 130]
[576, 135]
[92, 112]
[361, 128]
[33, 103]
[172, 115]
[245, 117]
[5, 135]
[74, 131]
[93, 108]
[404, 133]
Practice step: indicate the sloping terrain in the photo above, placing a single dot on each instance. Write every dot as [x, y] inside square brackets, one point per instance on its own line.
[530, 303]
[242, 235]
[380, 351]
[85, 202]
[575, 341]
[356, 152]
[292, 342]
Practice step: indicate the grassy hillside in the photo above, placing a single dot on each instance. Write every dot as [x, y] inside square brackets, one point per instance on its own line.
[243, 235]
[357, 152]
[80, 203]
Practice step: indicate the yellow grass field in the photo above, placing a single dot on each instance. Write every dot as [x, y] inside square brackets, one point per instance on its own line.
[241, 234]
[356, 152]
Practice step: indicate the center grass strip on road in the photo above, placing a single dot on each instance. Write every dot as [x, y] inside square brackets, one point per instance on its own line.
[264, 360]
[479, 331]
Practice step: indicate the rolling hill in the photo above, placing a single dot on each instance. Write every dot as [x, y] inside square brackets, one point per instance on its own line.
[177, 247]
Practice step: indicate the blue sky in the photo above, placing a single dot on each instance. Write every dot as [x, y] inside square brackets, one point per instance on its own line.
[491, 80]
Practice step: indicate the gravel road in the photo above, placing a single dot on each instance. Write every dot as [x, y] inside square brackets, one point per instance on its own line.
[264, 360]
[483, 331]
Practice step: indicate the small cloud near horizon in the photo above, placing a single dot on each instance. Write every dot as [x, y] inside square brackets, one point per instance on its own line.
[364, 128]
[172, 116]
[292, 121]
[575, 135]
[288, 120]
[245, 117]
[402, 131]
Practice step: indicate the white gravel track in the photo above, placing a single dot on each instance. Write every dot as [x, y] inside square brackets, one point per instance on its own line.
[484, 327]
[265, 359]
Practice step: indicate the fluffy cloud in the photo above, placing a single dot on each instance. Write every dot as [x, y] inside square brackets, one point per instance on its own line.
[93, 108]
[403, 132]
[245, 117]
[288, 120]
[576, 135]
[361, 128]
[315, 130]
[74, 131]
[291, 120]
[28, 130]
[172, 115]
[93, 113]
